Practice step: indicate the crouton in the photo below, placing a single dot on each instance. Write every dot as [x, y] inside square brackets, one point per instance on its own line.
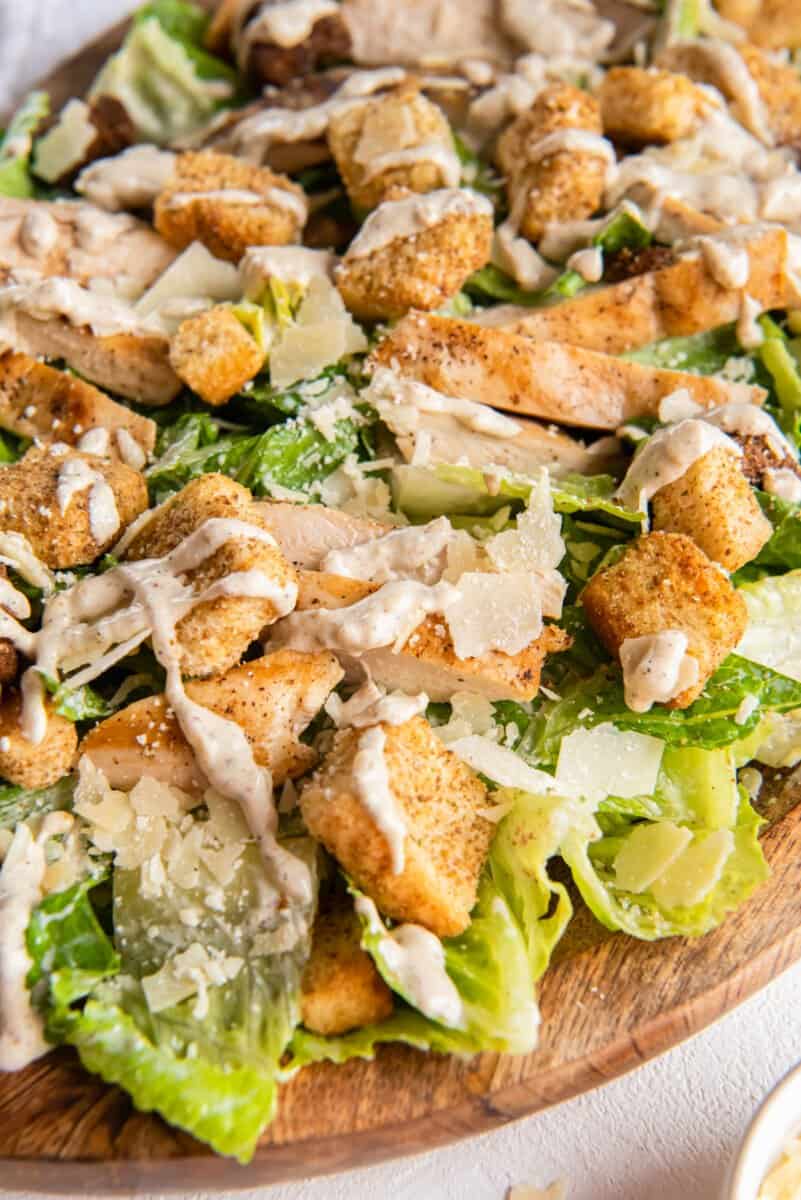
[640, 106]
[307, 532]
[71, 507]
[384, 276]
[133, 365]
[272, 699]
[774, 24]
[34, 764]
[214, 354]
[228, 204]
[327, 43]
[399, 139]
[81, 242]
[37, 401]
[777, 112]
[543, 379]
[713, 504]
[663, 581]
[446, 840]
[341, 988]
[567, 185]
[215, 634]
[680, 299]
[427, 661]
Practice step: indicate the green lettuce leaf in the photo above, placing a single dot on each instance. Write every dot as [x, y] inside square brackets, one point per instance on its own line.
[406, 1026]
[778, 357]
[773, 635]
[168, 85]
[783, 551]
[17, 803]
[16, 145]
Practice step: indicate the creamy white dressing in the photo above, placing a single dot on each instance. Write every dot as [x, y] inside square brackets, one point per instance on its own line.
[130, 451]
[132, 179]
[33, 716]
[76, 476]
[750, 334]
[10, 629]
[413, 215]
[782, 482]
[253, 137]
[416, 959]
[371, 705]
[95, 441]
[749, 420]
[413, 552]
[667, 456]
[387, 617]
[373, 789]
[56, 296]
[678, 406]
[747, 101]
[656, 668]
[21, 1029]
[572, 141]
[38, 232]
[275, 196]
[13, 600]
[727, 263]
[516, 255]
[588, 263]
[284, 24]
[16, 552]
[290, 264]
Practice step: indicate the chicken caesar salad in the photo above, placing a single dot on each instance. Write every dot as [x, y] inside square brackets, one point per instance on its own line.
[400, 539]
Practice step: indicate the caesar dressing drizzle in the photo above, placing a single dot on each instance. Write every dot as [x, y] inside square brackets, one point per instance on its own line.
[411, 215]
[373, 789]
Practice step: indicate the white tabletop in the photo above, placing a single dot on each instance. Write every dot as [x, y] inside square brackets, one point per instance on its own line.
[664, 1133]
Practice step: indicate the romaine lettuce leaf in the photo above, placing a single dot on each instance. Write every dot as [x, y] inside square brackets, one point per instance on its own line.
[773, 636]
[783, 551]
[700, 353]
[17, 803]
[782, 366]
[406, 1026]
[168, 85]
[16, 144]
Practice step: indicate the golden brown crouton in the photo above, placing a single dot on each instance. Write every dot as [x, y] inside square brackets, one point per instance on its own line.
[272, 699]
[445, 843]
[400, 139]
[60, 501]
[673, 301]
[566, 185]
[228, 204]
[713, 504]
[640, 106]
[778, 85]
[664, 581]
[419, 270]
[774, 24]
[341, 988]
[215, 634]
[327, 44]
[549, 380]
[37, 401]
[214, 354]
[427, 661]
[29, 764]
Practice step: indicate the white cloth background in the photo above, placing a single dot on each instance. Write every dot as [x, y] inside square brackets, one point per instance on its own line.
[664, 1133]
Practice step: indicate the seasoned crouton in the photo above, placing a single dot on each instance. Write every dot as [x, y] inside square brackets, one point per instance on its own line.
[70, 506]
[34, 764]
[673, 301]
[775, 111]
[415, 252]
[427, 661]
[228, 204]
[565, 185]
[341, 988]
[663, 581]
[640, 106]
[37, 401]
[542, 379]
[272, 699]
[445, 841]
[215, 634]
[214, 354]
[81, 242]
[400, 139]
[774, 24]
[713, 504]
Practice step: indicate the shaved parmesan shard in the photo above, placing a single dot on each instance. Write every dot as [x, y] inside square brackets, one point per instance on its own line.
[502, 766]
[536, 541]
[605, 761]
[647, 852]
[692, 876]
[190, 973]
[491, 612]
[322, 333]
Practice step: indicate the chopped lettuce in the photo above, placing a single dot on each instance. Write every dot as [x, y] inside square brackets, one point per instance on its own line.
[779, 358]
[700, 353]
[783, 551]
[167, 83]
[16, 144]
[18, 803]
[773, 636]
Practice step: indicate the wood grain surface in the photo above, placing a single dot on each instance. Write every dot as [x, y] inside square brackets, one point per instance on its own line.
[608, 1004]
